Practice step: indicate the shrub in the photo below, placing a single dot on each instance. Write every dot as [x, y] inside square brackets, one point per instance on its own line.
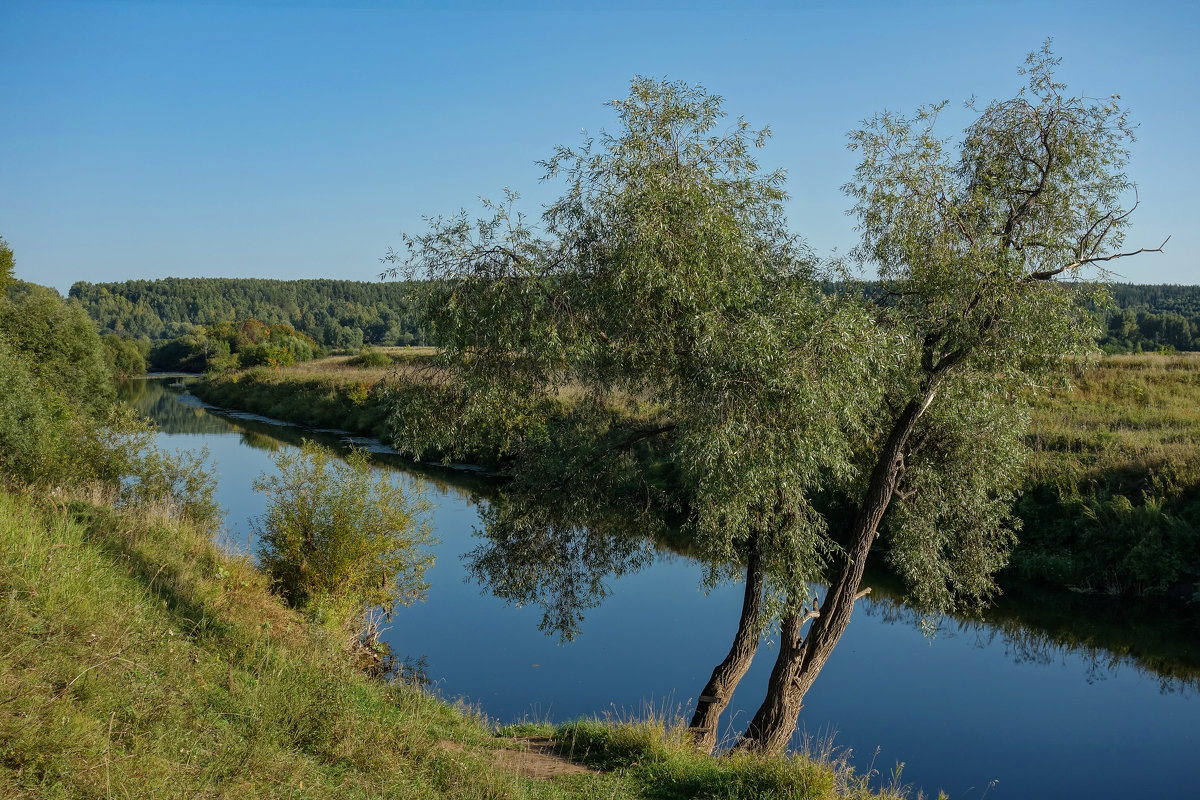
[371, 358]
[339, 540]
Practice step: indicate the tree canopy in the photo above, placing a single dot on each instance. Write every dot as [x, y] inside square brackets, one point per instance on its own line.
[661, 312]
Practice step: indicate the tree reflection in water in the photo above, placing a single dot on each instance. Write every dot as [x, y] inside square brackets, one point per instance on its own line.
[1042, 627]
[559, 558]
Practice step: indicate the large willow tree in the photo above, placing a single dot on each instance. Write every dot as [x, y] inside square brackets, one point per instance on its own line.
[662, 314]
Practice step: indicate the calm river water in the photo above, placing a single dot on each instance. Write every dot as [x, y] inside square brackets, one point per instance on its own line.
[1045, 701]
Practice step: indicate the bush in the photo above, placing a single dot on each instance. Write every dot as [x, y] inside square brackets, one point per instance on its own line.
[371, 358]
[123, 355]
[338, 540]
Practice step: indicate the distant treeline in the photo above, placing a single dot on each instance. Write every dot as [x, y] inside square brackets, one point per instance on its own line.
[1143, 318]
[337, 314]
[1149, 318]
[349, 314]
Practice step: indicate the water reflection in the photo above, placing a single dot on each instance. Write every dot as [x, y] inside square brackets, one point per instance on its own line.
[562, 554]
[1041, 687]
[560, 560]
[1042, 627]
[158, 400]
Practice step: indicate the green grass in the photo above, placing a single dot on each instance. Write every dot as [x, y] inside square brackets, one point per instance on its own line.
[138, 660]
[1112, 503]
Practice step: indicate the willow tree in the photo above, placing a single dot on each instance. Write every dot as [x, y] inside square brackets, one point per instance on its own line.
[660, 317]
[661, 313]
[986, 249]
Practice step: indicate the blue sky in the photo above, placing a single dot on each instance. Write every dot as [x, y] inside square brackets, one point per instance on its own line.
[292, 139]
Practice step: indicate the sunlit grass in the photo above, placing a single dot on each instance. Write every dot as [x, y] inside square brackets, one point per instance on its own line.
[138, 660]
[1124, 419]
[1112, 501]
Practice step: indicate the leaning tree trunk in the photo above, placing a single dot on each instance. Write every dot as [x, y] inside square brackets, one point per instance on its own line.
[801, 659]
[719, 689]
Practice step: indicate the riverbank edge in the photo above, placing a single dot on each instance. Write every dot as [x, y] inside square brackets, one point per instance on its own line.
[140, 656]
[359, 405]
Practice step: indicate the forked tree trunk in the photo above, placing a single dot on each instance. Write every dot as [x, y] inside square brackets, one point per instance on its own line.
[800, 659]
[725, 677]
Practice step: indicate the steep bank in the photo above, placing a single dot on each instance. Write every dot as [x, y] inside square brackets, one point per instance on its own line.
[139, 660]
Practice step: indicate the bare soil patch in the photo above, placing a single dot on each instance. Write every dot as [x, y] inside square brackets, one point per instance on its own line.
[535, 759]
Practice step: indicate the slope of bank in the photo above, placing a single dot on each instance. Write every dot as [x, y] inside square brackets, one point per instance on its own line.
[1111, 504]
[139, 660]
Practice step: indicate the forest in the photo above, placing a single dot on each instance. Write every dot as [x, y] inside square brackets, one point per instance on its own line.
[1160, 317]
[174, 317]
[335, 313]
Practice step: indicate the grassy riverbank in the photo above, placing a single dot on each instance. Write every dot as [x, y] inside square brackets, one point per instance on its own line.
[1111, 504]
[139, 660]
[329, 392]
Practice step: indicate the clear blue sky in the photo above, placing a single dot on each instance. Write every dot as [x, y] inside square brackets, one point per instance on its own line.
[293, 139]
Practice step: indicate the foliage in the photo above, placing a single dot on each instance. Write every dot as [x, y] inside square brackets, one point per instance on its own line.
[58, 401]
[7, 264]
[970, 245]
[60, 422]
[662, 278]
[60, 345]
[125, 357]
[230, 345]
[1152, 318]
[34, 432]
[800, 424]
[338, 539]
[341, 314]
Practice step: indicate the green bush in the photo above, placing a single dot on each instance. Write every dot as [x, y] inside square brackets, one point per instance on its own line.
[124, 356]
[339, 540]
[371, 358]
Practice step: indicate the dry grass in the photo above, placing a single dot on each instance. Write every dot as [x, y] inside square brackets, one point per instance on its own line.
[1129, 415]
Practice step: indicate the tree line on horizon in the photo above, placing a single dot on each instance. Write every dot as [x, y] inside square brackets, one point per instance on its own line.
[334, 313]
[349, 314]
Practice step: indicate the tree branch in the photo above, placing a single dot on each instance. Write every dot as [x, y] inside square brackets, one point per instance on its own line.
[1050, 273]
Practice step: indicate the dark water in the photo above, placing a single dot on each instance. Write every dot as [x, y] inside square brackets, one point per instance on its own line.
[1052, 697]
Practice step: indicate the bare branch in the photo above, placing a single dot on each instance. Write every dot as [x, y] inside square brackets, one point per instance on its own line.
[1050, 273]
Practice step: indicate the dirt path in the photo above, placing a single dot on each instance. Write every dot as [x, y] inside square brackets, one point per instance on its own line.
[536, 759]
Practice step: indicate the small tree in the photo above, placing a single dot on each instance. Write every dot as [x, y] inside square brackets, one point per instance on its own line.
[338, 539]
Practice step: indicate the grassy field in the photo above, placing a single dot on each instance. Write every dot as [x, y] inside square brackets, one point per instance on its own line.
[329, 392]
[1112, 503]
[1126, 422]
[137, 660]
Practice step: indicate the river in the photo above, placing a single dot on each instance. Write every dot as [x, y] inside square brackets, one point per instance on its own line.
[1050, 698]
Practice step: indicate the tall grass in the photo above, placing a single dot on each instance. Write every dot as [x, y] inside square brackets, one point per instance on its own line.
[138, 660]
[1112, 503]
